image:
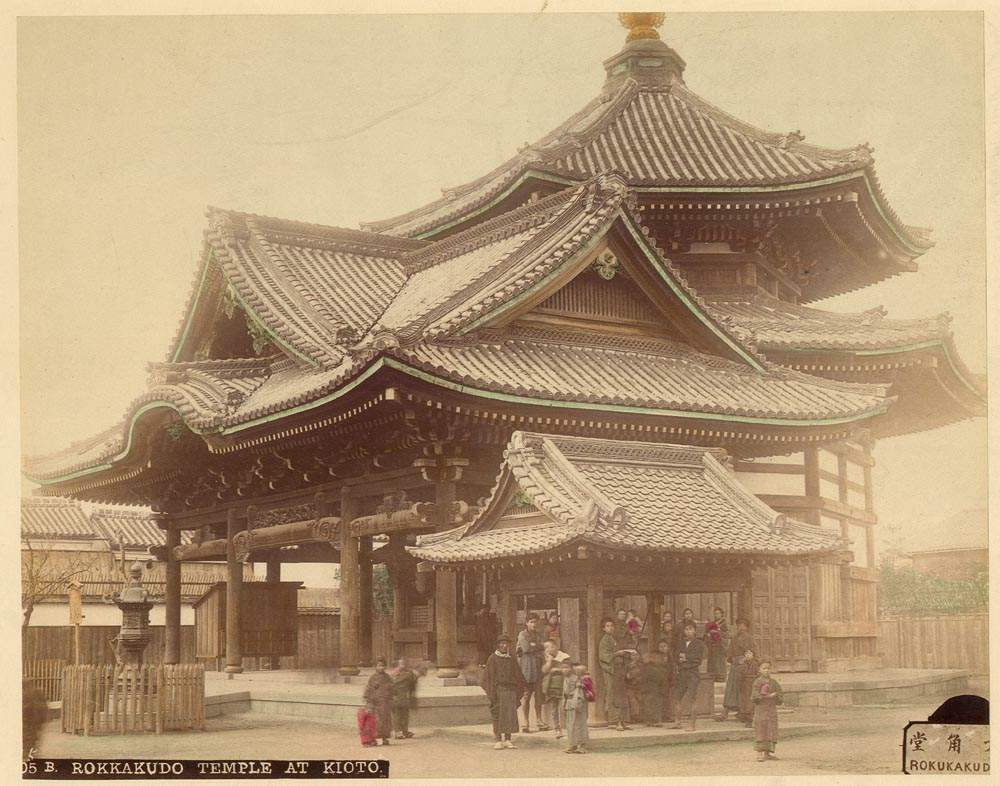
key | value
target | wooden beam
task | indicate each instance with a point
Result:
(769, 468)
(794, 502)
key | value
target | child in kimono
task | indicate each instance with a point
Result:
(747, 674)
(552, 684)
(766, 696)
(378, 696)
(574, 705)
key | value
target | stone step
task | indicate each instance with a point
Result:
(605, 739)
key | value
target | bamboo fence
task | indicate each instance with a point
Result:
(111, 699)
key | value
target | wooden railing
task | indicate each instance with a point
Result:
(119, 700)
(46, 675)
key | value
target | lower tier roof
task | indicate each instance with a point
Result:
(620, 495)
(524, 366)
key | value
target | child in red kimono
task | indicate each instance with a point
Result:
(766, 696)
(366, 727)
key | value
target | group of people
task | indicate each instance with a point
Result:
(650, 677)
(537, 672)
(389, 697)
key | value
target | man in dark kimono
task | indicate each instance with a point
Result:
(689, 657)
(486, 632)
(739, 646)
(378, 697)
(667, 657)
(653, 683)
(504, 686)
(613, 662)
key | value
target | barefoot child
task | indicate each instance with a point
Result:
(766, 695)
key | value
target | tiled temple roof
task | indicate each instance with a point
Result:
(657, 135)
(560, 365)
(778, 324)
(430, 324)
(312, 288)
(622, 495)
(57, 518)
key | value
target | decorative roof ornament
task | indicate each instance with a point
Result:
(641, 26)
(790, 138)
(606, 265)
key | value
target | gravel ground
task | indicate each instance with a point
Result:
(860, 740)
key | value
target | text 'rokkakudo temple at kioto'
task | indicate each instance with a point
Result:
(591, 374)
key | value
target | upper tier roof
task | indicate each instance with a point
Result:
(649, 126)
(621, 495)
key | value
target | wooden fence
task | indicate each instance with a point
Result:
(47, 642)
(116, 700)
(957, 641)
(46, 675)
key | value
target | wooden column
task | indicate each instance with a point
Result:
(350, 578)
(398, 594)
(366, 601)
(812, 487)
(172, 631)
(446, 622)
(507, 612)
(273, 576)
(653, 614)
(234, 594)
(842, 491)
(595, 613)
(744, 597)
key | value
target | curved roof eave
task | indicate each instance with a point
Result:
(219, 429)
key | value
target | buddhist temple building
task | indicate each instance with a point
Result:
(592, 373)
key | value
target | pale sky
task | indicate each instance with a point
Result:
(129, 127)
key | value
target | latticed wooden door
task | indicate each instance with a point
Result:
(781, 616)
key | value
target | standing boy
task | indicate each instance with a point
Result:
(504, 685)
(404, 696)
(766, 695)
(529, 654)
(689, 657)
(552, 684)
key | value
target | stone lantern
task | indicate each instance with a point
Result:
(135, 604)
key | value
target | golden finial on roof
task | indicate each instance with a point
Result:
(641, 25)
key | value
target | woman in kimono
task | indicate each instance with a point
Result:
(766, 696)
(378, 696)
(717, 642)
(504, 685)
(741, 644)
